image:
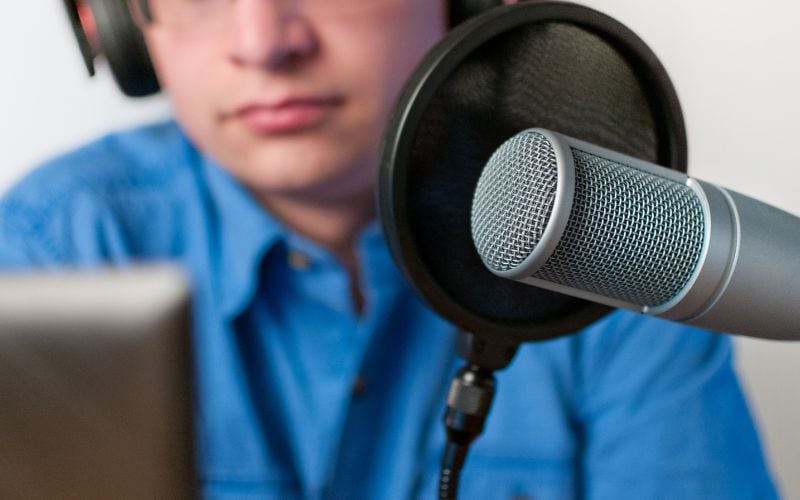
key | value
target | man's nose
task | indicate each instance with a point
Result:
(272, 34)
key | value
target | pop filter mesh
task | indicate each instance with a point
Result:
(554, 75)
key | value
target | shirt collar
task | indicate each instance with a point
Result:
(245, 232)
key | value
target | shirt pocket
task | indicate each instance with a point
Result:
(509, 477)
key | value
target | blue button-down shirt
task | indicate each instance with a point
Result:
(299, 395)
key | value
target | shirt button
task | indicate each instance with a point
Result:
(359, 385)
(299, 260)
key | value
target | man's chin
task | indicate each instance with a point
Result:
(310, 188)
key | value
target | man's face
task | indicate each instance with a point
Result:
(292, 96)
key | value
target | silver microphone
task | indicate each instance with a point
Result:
(575, 218)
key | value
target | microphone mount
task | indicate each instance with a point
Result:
(469, 401)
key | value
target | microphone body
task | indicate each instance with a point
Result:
(572, 217)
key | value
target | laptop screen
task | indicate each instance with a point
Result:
(95, 391)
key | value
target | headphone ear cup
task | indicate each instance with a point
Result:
(124, 48)
(80, 35)
(461, 10)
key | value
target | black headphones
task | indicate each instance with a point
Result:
(106, 27)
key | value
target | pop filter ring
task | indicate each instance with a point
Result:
(433, 71)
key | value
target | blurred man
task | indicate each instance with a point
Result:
(319, 373)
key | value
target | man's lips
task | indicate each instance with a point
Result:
(288, 115)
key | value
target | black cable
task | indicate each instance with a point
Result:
(452, 462)
(468, 404)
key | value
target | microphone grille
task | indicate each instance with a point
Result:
(514, 199)
(631, 235)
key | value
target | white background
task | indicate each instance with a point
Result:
(735, 64)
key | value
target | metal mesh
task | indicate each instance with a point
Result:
(513, 200)
(631, 235)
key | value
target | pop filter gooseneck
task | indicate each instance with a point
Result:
(552, 65)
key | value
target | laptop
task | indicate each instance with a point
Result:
(95, 385)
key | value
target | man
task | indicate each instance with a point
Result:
(319, 373)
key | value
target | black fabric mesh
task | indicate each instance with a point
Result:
(552, 75)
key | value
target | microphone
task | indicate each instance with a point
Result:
(575, 218)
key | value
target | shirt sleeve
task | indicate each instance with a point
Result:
(20, 246)
(664, 415)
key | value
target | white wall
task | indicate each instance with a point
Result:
(47, 101)
(735, 65)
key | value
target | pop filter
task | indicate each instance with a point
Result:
(552, 65)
